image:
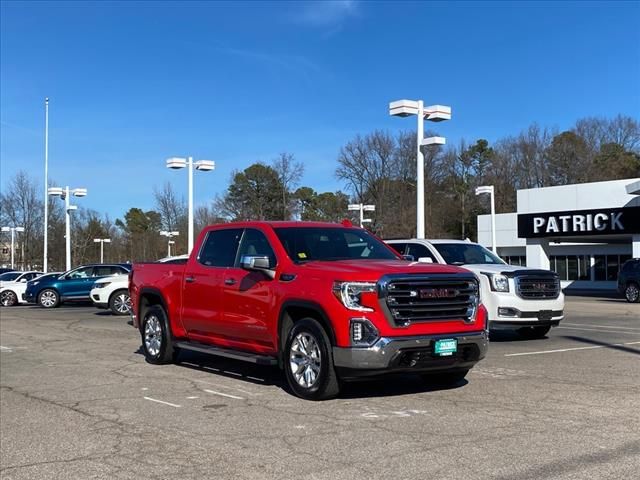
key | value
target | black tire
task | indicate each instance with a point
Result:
(49, 298)
(8, 298)
(118, 300)
(445, 378)
(632, 292)
(534, 332)
(314, 362)
(155, 326)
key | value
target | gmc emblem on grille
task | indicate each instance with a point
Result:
(539, 286)
(439, 293)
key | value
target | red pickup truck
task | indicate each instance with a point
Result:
(325, 302)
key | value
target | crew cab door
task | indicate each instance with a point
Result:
(202, 285)
(248, 295)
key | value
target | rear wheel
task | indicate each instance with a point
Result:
(534, 332)
(8, 298)
(445, 378)
(308, 362)
(120, 302)
(632, 293)
(156, 337)
(49, 298)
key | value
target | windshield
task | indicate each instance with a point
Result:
(305, 244)
(9, 276)
(466, 253)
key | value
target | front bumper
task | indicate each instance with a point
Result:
(409, 354)
(28, 298)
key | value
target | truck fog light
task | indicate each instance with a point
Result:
(363, 333)
(508, 312)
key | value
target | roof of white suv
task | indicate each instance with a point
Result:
(437, 240)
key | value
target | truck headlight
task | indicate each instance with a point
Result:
(349, 294)
(498, 281)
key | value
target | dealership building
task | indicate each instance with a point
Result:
(584, 232)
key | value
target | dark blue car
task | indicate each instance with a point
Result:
(73, 285)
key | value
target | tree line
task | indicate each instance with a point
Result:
(375, 168)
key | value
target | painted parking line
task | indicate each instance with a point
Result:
(5, 349)
(616, 327)
(540, 352)
(599, 330)
(223, 394)
(162, 402)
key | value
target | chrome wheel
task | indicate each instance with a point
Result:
(305, 359)
(153, 336)
(48, 299)
(8, 298)
(632, 293)
(122, 303)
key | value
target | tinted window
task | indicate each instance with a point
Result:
(254, 242)
(84, 272)
(471, 253)
(177, 261)
(399, 247)
(9, 276)
(106, 270)
(318, 243)
(220, 247)
(420, 251)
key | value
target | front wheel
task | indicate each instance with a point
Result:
(632, 293)
(156, 337)
(308, 362)
(120, 302)
(49, 298)
(8, 298)
(533, 332)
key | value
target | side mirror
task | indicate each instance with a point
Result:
(409, 258)
(425, 260)
(257, 263)
(23, 280)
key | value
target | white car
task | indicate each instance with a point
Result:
(526, 299)
(12, 292)
(18, 277)
(113, 292)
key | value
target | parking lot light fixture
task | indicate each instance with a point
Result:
(170, 242)
(432, 113)
(101, 241)
(491, 191)
(362, 208)
(176, 163)
(13, 231)
(65, 193)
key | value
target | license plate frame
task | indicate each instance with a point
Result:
(545, 315)
(445, 347)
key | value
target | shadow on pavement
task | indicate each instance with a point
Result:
(622, 348)
(499, 336)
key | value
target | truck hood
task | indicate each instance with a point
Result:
(493, 268)
(372, 270)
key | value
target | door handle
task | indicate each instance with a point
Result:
(229, 281)
(189, 279)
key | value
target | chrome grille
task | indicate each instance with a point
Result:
(537, 286)
(428, 298)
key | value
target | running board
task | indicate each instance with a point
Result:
(223, 352)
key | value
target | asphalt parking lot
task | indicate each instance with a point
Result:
(78, 401)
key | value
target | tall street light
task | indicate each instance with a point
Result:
(490, 190)
(203, 165)
(46, 183)
(164, 233)
(362, 208)
(65, 194)
(101, 241)
(433, 113)
(13, 231)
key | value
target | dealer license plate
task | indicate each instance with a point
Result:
(445, 347)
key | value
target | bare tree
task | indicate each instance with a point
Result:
(289, 172)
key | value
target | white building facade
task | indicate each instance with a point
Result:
(584, 232)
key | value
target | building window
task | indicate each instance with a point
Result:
(515, 260)
(570, 267)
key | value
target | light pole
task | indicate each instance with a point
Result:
(490, 190)
(101, 241)
(203, 165)
(433, 113)
(46, 183)
(164, 233)
(13, 231)
(362, 208)
(65, 193)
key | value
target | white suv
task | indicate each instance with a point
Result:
(527, 299)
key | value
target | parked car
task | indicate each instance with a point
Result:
(5, 270)
(113, 292)
(74, 285)
(15, 276)
(12, 293)
(526, 299)
(629, 280)
(325, 302)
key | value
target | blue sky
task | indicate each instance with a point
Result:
(133, 83)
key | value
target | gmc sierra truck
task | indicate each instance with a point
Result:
(324, 302)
